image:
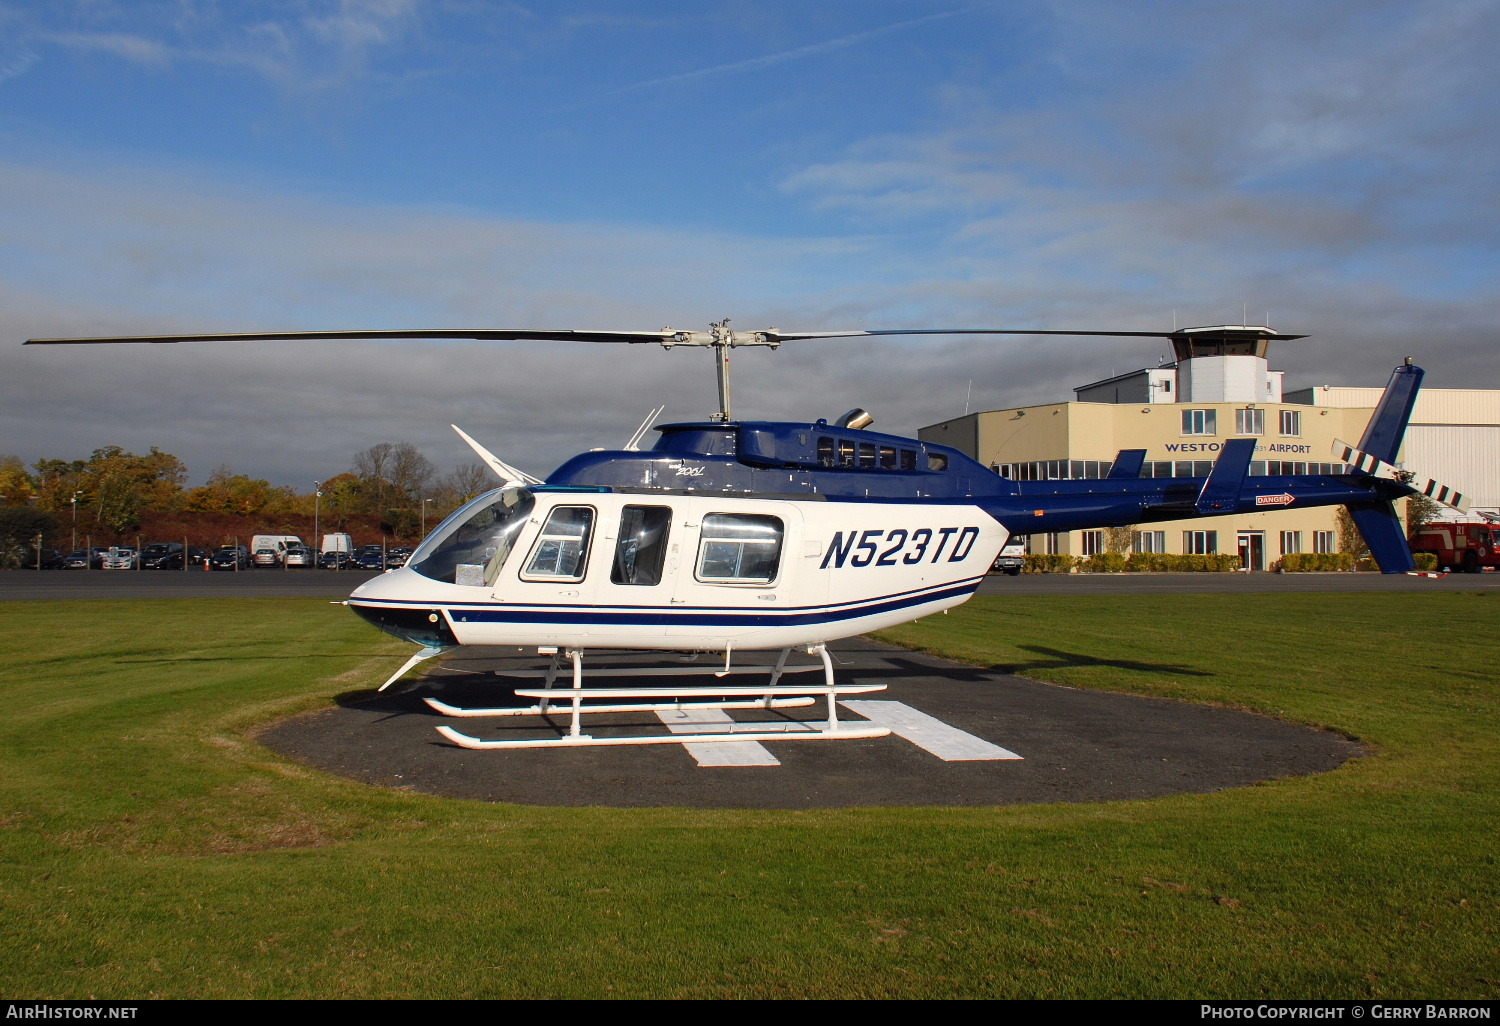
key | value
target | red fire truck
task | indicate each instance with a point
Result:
(1467, 545)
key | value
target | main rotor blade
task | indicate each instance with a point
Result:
(481, 334)
(782, 336)
(668, 337)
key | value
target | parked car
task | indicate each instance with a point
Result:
(231, 557)
(121, 557)
(267, 557)
(46, 559)
(85, 559)
(162, 556)
(337, 561)
(371, 560)
(397, 556)
(299, 555)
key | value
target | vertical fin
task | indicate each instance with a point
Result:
(1381, 529)
(1382, 438)
(1221, 492)
(1128, 464)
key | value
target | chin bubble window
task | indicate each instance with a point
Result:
(740, 548)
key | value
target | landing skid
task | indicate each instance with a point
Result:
(770, 696)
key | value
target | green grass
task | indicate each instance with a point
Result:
(149, 847)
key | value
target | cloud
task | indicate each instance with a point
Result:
(144, 251)
(1330, 164)
(299, 47)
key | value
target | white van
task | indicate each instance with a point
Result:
(270, 549)
(337, 543)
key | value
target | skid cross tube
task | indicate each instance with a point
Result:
(770, 696)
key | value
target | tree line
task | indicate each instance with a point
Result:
(114, 490)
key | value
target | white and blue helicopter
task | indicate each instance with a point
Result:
(748, 536)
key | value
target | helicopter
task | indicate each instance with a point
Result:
(734, 536)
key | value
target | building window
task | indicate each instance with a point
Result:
(1291, 422)
(1200, 422)
(1053, 545)
(1323, 541)
(1093, 543)
(1250, 422)
(1200, 543)
(1148, 541)
(1291, 541)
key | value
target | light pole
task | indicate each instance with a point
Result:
(317, 498)
(424, 518)
(74, 502)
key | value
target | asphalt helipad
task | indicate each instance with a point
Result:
(964, 736)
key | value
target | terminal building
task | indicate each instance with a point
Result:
(1220, 386)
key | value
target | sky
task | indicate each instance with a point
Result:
(274, 165)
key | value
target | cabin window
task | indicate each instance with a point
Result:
(825, 451)
(740, 548)
(866, 455)
(563, 547)
(887, 457)
(908, 459)
(846, 452)
(937, 461)
(471, 545)
(641, 549)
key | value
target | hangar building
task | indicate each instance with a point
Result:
(1220, 386)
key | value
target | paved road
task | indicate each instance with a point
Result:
(121, 584)
(1074, 745)
(133, 584)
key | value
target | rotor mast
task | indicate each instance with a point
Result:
(721, 340)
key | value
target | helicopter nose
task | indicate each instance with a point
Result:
(425, 627)
(375, 602)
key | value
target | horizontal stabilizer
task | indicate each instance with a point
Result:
(1128, 465)
(1221, 492)
(1364, 463)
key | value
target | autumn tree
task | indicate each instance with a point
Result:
(393, 481)
(15, 484)
(1420, 510)
(226, 492)
(1350, 540)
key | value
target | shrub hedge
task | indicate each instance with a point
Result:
(1162, 562)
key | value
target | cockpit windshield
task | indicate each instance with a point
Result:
(470, 546)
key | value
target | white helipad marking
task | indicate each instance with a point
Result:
(715, 753)
(948, 743)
